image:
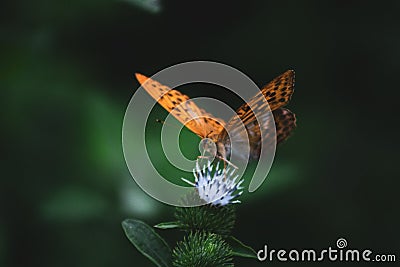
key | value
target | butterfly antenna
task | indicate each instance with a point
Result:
(169, 124)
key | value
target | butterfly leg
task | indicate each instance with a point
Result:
(220, 158)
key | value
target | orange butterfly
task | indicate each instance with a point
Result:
(277, 93)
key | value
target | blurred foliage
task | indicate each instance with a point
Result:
(66, 76)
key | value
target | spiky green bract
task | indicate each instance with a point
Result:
(209, 218)
(202, 249)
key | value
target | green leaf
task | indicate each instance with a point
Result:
(148, 242)
(241, 250)
(167, 225)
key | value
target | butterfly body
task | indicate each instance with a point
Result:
(228, 138)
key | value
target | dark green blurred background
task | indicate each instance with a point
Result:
(66, 76)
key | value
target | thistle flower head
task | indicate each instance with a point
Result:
(201, 249)
(215, 185)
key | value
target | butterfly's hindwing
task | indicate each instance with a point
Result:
(285, 123)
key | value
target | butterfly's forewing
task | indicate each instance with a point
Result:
(277, 93)
(182, 108)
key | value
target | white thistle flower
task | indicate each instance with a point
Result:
(216, 186)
